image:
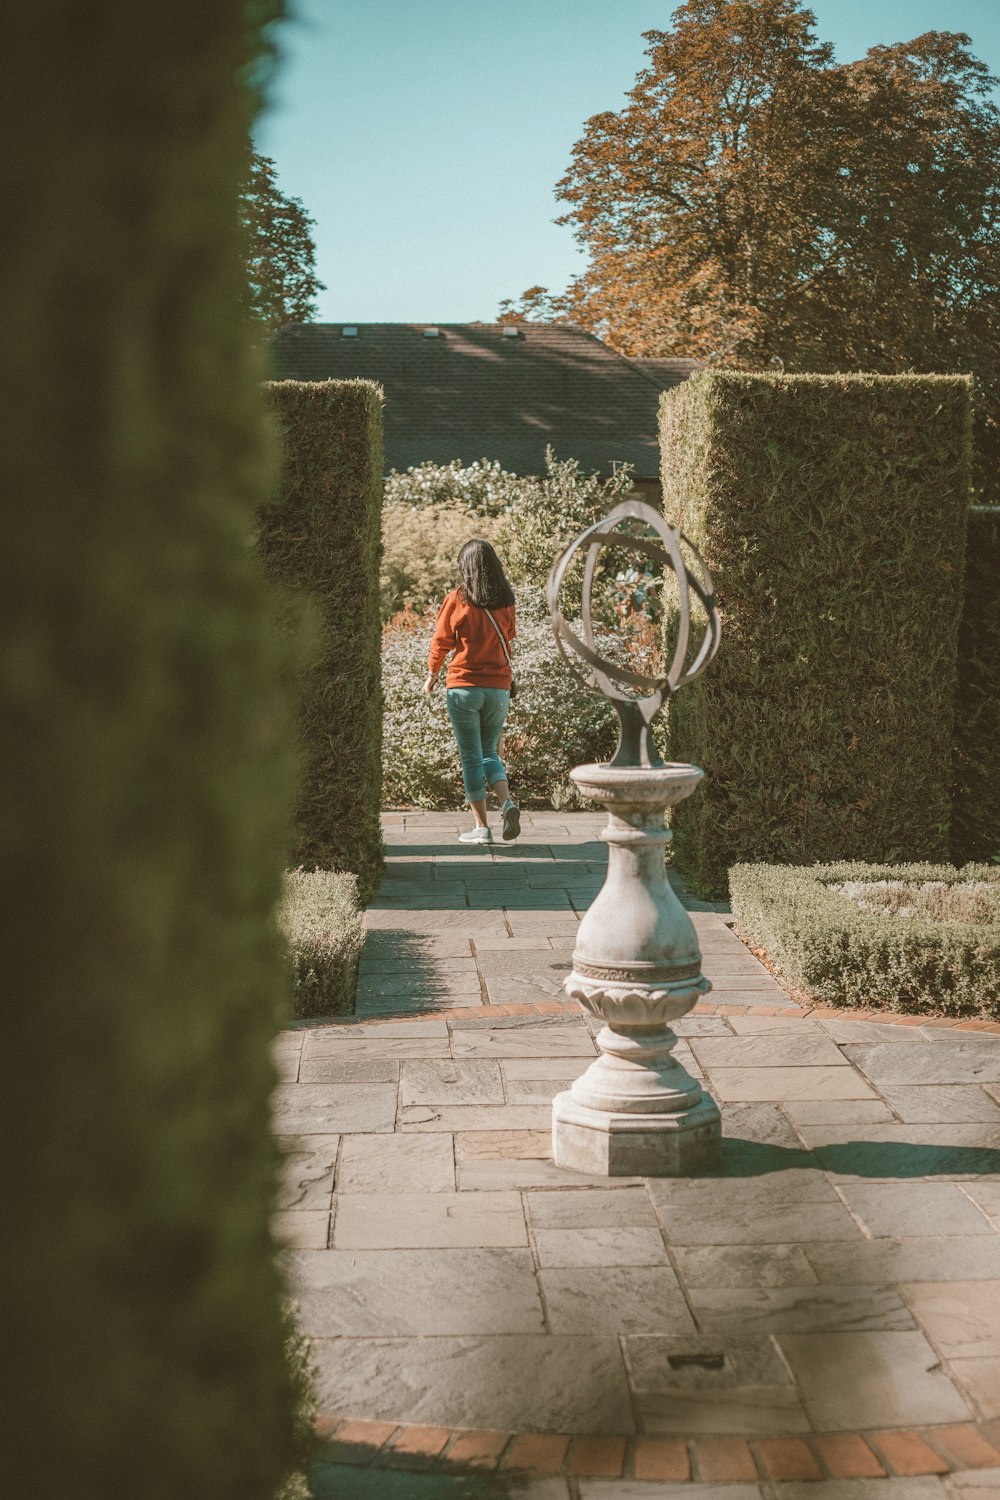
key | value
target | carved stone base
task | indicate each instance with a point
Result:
(686, 1143)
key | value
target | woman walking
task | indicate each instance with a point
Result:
(476, 622)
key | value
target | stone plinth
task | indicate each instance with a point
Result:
(636, 1111)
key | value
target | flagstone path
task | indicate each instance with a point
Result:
(826, 1308)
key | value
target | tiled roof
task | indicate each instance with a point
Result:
(476, 392)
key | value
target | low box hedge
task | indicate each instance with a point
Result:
(821, 942)
(321, 921)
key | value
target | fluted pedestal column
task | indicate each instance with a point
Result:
(636, 965)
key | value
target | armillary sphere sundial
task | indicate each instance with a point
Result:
(636, 964)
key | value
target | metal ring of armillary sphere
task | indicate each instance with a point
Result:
(635, 713)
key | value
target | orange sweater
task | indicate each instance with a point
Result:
(465, 629)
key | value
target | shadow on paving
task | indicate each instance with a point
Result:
(337, 1482)
(587, 853)
(860, 1158)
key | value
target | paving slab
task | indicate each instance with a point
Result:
(540, 1383)
(961, 1317)
(745, 1084)
(899, 1209)
(897, 1151)
(797, 1309)
(619, 1245)
(584, 1208)
(944, 1104)
(524, 1041)
(307, 1172)
(979, 1380)
(475, 1081)
(417, 1221)
(864, 1380)
(397, 1163)
(952, 1058)
(386, 1293)
(469, 1117)
(922, 1258)
(504, 1173)
(769, 1050)
(744, 1266)
(616, 1299)
(333, 1108)
(696, 1385)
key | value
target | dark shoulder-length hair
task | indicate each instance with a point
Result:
(483, 580)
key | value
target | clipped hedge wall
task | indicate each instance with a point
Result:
(148, 769)
(820, 942)
(322, 537)
(831, 511)
(975, 830)
(321, 920)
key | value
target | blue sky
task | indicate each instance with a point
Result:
(425, 137)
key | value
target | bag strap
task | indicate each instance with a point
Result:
(503, 643)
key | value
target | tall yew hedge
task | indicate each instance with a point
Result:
(322, 537)
(831, 511)
(976, 809)
(148, 772)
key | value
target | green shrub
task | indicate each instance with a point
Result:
(975, 833)
(321, 537)
(420, 547)
(321, 921)
(831, 511)
(823, 943)
(148, 770)
(554, 723)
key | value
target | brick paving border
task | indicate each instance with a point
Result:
(902, 1453)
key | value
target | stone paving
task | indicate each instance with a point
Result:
(838, 1284)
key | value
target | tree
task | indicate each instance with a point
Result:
(755, 202)
(280, 253)
(536, 305)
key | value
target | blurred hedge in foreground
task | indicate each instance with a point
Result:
(831, 511)
(148, 774)
(322, 537)
(975, 830)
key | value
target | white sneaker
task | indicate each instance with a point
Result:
(476, 836)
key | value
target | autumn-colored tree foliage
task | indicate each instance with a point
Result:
(755, 201)
(280, 255)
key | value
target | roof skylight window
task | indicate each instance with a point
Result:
(349, 331)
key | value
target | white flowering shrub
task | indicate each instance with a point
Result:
(420, 547)
(484, 487)
(554, 722)
(546, 513)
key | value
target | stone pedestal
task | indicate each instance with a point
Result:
(636, 1111)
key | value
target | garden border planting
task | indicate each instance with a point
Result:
(820, 943)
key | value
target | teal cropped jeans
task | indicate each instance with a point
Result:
(477, 716)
